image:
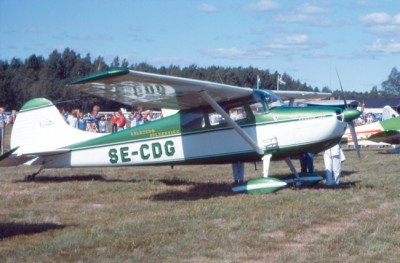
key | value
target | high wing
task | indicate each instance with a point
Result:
(155, 90)
(292, 95)
(161, 91)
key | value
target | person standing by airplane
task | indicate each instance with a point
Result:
(238, 172)
(307, 162)
(333, 158)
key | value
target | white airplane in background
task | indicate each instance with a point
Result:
(254, 125)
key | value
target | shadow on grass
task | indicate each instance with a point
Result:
(78, 178)
(341, 186)
(196, 191)
(16, 229)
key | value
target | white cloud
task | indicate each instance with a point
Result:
(382, 23)
(286, 42)
(279, 46)
(263, 5)
(376, 18)
(308, 14)
(207, 8)
(364, 3)
(308, 8)
(231, 52)
(385, 46)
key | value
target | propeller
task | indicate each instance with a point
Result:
(349, 116)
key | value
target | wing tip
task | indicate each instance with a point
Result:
(101, 75)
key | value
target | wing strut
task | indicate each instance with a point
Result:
(231, 122)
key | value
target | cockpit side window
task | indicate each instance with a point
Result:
(235, 110)
(192, 120)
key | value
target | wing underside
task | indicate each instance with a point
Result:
(154, 90)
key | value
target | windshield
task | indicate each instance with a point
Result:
(272, 100)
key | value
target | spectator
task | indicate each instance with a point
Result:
(13, 116)
(138, 120)
(139, 109)
(145, 117)
(64, 113)
(151, 116)
(114, 120)
(3, 123)
(81, 122)
(72, 119)
(131, 119)
(121, 121)
(92, 127)
(94, 117)
(103, 127)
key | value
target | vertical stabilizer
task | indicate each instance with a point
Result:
(39, 127)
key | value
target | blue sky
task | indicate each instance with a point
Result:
(306, 39)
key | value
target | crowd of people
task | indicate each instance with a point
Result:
(5, 120)
(96, 122)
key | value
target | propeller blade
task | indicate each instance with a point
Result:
(352, 128)
(341, 87)
(349, 116)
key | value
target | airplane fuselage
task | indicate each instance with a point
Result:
(200, 136)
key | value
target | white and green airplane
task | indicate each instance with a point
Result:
(215, 124)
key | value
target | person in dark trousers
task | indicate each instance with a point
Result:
(307, 163)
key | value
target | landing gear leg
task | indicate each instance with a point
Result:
(291, 166)
(266, 160)
(294, 172)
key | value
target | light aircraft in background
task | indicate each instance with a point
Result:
(376, 133)
(216, 124)
(388, 112)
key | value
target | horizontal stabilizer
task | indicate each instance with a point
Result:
(8, 159)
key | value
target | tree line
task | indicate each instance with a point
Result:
(21, 80)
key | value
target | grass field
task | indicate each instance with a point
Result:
(189, 214)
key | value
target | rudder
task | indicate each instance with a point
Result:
(39, 127)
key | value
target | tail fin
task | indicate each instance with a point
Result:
(39, 127)
(388, 113)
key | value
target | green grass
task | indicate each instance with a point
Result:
(189, 214)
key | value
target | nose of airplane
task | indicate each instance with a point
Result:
(351, 114)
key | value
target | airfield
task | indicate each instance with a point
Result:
(189, 214)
